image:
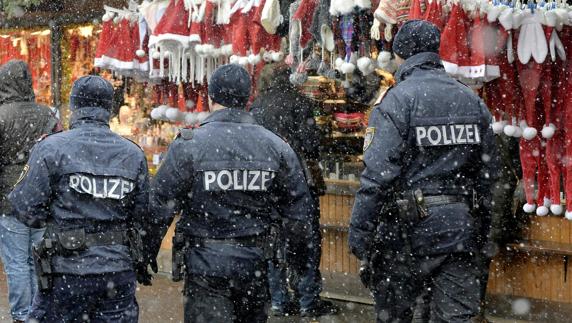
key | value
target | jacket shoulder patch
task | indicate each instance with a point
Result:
(367, 140)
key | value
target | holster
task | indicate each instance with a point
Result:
(411, 207)
(42, 254)
(136, 247)
(180, 247)
(275, 251)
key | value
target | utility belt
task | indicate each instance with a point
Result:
(414, 205)
(71, 242)
(271, 245)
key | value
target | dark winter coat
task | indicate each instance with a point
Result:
(430, 133)
(282, 109)
(22, 123)
(230, 178)
(87, 177)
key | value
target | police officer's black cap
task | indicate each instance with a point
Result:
(416, 36)
(91, 91)
(230, 86)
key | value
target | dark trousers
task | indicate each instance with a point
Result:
(305, 278)
(453, 282)
(220, 300)
(88, 298)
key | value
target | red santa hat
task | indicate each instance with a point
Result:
(454, 49)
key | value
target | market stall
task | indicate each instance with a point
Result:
(515, 54)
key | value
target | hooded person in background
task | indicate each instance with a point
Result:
(422, 215)
(282, 109)
(89, 187)
(22, 123)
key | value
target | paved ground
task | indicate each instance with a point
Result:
(163, 303)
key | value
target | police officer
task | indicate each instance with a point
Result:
(422, 213)
(89, 187)
(232, 180)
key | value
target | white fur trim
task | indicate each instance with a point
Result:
(529, 208)
(505, 19)
(208, 49)
(542, 211)
(156, 55)
(568, 215)
(548, 131)
(550, 18)
(494, 13)
(556, 209)
(498, 127)
(529, 133)
(181, 39)
(140, 53)
(194, 38)
(226, 50)
(341, 7)
(243, 61)
(348, 68)
(106, 17)
(233, 59)
(254, 59)
(116, 20)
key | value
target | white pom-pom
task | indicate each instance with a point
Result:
(227, 50)
(190, 104)
(243, 61)
(498, 127)
(365, 65)
(254, 59)
(517, 132)
(384, 58)
(267, 57)
(548, 131)
(556, 209)
(348, 68)
(339, 63)
(172, 114)
(234, 59)
(162, 110)
(277, 56)
(510, 130)
(568, 215)
(166, 53)
(208, 49)
(529, 133)
(201, 116)
(191, 118)
(107, 17)
(140, 53)
(542, 211)
(529, 208)
(155, 114)
(156, 55)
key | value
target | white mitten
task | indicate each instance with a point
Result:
(374, 32)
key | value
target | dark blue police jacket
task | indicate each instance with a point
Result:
(87, 177)
(432, 133)
(228, 178)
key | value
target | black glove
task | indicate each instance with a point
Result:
(365, 273)
(143, 275)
